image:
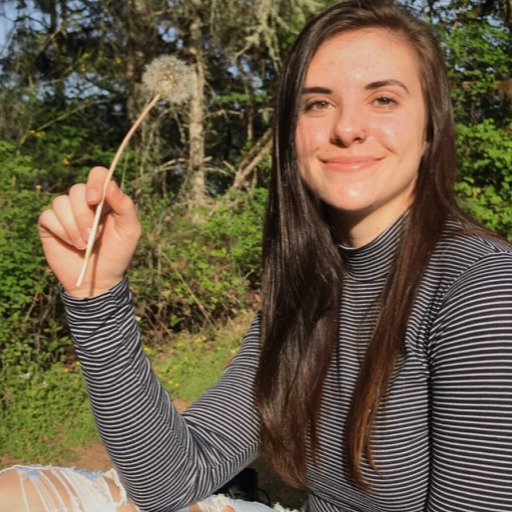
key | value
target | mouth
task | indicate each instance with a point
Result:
(350, 163)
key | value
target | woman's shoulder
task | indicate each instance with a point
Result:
(471, 251)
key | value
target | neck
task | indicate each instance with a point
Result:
(357, 230)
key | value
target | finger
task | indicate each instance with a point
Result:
(123, 209)
(51, 228)
(96, 184)
(82, 211)
(61, 206)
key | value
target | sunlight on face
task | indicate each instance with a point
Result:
(361, 130)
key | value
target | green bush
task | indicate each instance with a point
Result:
(190, 273)
(485, 185)
(28, 311)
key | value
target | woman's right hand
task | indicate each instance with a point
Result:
(64, 231)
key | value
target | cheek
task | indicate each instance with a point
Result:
(309, 139)
(402, 136)
(393, 132)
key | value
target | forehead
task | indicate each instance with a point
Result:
(371, 53)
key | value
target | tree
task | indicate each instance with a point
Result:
(476, 36)
(235, 54)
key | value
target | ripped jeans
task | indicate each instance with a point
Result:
(57, 489)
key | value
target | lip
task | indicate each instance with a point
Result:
(350, 163)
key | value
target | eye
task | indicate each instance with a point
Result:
(385, 101)
(316, 105)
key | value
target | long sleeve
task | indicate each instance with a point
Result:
(471, 391)
(443, 440)
(166, 460)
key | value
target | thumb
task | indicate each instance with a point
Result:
(123, 210)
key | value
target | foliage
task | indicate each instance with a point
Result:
(485, 186)
(479, 61)
(187, 272)
(23, 275)
(478, 55)
(198, 272)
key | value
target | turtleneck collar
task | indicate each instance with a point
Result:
(374, 259)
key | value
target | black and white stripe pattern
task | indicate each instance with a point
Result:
(443, 441)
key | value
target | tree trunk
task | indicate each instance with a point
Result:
(141, 42)
(57, 32)
(194, 185)
(141, 48)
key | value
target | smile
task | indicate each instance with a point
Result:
(349, 163)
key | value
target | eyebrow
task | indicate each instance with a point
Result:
(316, 90)
(385, 83)
(370, 87)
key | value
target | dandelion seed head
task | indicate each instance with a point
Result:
(168, 76)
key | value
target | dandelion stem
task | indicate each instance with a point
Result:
(113, 165)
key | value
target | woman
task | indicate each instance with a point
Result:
(379, 373)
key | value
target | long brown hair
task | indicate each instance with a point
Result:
(303, 271)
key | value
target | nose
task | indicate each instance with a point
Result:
(348, 127)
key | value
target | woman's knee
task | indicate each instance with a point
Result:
(11, 491)
(37, 489)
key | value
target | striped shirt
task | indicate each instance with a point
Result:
(443, 442)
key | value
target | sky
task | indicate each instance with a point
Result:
(7, 15)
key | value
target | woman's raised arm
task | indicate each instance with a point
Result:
(64, 231)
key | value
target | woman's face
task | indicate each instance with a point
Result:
(361, 130)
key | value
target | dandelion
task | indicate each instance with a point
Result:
(77, 363)
(171, 382)
(65, 370)
(146, 349)
(177, 385)
(179, 345)
(167, 78)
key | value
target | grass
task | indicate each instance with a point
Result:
(45, 416)
(192, 363)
